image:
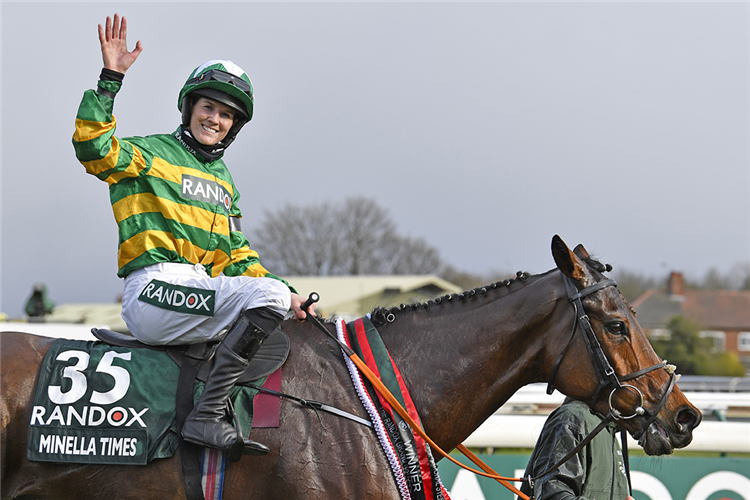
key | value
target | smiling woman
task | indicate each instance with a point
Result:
(210, 121)
(176, 207)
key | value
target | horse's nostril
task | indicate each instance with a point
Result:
(688, 418)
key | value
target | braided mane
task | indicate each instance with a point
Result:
(381, 315)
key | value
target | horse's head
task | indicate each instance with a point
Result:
(621, 371)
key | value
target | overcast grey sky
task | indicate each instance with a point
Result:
(484, 128)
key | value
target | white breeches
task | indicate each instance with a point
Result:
(174, 303)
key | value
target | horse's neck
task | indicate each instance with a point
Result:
(463, 361)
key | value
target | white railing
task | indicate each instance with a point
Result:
(519, 421)
(522, 431)
(534, 399)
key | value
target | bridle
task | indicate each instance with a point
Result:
(605, 374)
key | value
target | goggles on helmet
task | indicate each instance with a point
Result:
(218, 75)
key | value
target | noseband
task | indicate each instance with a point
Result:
(605, 374)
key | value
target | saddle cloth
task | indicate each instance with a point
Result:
(104, 404)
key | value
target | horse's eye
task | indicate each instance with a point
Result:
(617, 328)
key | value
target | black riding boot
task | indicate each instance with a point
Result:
(207, 424)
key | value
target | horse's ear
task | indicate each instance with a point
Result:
(581, 252)
(567, 261)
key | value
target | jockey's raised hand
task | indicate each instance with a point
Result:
(113, 38)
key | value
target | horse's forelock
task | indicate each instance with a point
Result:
(596, 265)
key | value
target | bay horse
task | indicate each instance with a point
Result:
(462, 356)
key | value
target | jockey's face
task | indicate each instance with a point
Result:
(210, 121)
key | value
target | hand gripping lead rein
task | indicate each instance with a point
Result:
(311, 299)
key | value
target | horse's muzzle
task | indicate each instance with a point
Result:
(662, 439)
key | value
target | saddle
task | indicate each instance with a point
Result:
(271, 355)
(195, 361)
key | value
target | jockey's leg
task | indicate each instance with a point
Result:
(207, 424)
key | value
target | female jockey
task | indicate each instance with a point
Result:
(189, 272)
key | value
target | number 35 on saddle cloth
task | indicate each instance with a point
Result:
(97, 403)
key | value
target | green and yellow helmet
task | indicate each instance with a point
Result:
(222, 81)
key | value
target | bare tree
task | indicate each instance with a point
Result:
(737, 278)
(290, 244)
(363, 229)
(354, 237)
(405, 255)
